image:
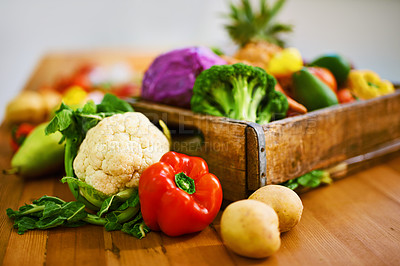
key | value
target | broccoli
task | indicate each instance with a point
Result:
(240, 92)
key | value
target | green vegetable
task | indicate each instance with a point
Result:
(240, 92)
(116, 212)
(39, 154)
(311, 179)
(49, 212)
(337, 64)
(311, 91)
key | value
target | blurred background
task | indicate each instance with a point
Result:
(364, 31)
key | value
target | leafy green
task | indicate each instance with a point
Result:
(136, 227)
(311, 179)
(49, 212)
(87, 192)
(112, 104)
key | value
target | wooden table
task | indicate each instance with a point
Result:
(354, 221)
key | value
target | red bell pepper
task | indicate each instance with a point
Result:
(325, 75)
(178, 195)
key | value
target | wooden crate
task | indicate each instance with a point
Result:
(246, 156)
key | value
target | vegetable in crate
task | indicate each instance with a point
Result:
(285, 63)
(38, 155)
(337, 64)
(171, 76)
(366, 84)
(325, 75)
(238, 91)
(101, 144)
(178, 195)
(312, 92)
(345, 96)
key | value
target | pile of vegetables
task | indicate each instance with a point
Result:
(234, 87)
(114, 211)
(108, 147)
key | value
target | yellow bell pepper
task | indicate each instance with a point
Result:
(285, 62)
(75, 97)
(366, 84)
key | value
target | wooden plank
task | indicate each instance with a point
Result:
(346, 208)
(131, 251)
(321, 138)
(394, 164)
(196, 249)
(253, 162)
(10, 191)
(30, 248)
(88, 241)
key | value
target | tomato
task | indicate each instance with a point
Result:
(325, 75)
(345, 96)
(127, 90)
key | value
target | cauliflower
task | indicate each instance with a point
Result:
(117, 150)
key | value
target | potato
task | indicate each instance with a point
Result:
(286, 203)
(250, 228)
(28, 106)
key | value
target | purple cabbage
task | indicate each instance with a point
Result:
(170, 78)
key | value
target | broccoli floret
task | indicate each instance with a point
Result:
(240, 92)
(275, 109)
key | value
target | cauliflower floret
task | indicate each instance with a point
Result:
(117, 150)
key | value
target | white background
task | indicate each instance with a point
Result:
(365, 31)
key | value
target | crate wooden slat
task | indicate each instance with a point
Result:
(321, 138)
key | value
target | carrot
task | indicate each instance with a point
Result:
(294, 107)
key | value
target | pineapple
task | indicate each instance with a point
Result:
(256, 32)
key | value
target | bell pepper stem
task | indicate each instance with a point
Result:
(185, 183)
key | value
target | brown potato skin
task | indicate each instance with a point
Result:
(250, 229)
(286, 203)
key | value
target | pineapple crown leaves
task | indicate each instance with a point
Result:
(247, 25)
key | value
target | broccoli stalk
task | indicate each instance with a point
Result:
(240, 92)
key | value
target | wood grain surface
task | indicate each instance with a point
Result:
(354, 221)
